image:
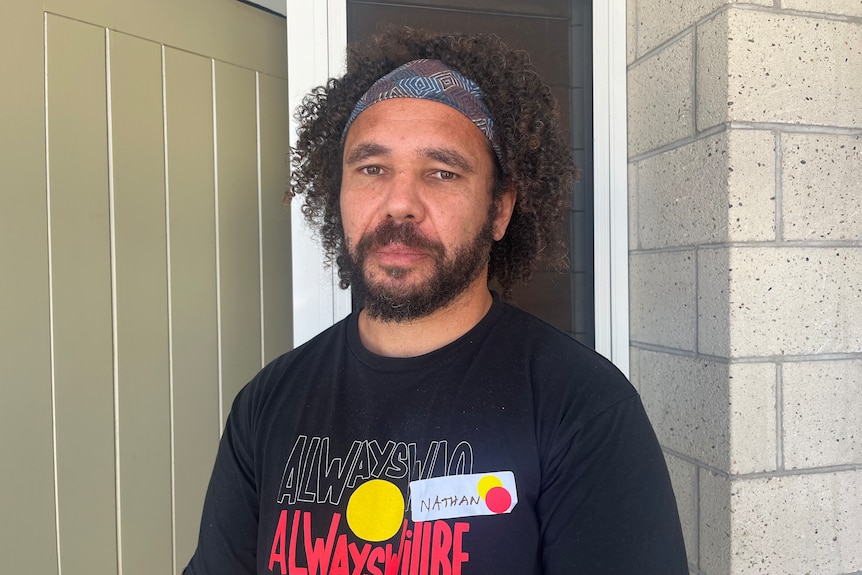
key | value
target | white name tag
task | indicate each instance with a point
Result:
(463, 496)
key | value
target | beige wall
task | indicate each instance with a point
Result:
(745, 157)
(146, 267)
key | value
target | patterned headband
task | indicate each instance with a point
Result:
(432, 80)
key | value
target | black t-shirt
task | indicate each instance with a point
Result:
(513, 450)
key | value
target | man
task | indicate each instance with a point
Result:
(437, 430)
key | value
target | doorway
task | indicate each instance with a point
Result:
(558, 36)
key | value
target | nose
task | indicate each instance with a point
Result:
(403, 199)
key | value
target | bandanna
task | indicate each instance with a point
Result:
(432, 80)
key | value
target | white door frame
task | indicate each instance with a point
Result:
(316, 40)
(316, 43)
(610, 195)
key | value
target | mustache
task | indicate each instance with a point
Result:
(404, 233)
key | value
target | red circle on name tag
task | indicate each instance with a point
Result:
(498, 499)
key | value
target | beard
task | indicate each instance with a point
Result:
(400, 301)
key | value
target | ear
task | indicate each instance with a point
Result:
(505, 207)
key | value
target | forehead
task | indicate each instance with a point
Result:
(411, 121)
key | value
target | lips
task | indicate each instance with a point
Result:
(398, 254)
(398, 245)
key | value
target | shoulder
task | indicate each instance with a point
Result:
(318, 353)
(551, 350)
(563, 372)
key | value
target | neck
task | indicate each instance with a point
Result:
(426, 334)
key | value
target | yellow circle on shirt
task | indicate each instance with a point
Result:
(375, 510)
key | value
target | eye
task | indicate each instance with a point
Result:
(371, 170)
(445, 175)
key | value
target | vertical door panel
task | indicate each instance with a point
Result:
(142, 305)
(27, 528)
(110, 302)
(226, 30)
(80, 228)
(238, 235)
(275, 217)
(194, 326)
(100, 13)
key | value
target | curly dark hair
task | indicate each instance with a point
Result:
(537, 160)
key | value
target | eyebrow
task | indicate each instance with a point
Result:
(450, 157)
(365, 151)
(446, 156)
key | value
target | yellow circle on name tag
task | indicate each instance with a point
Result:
(487, 483)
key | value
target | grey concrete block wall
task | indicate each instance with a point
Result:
(820, 185)
(745, 163)
(660, 98)
(773, 66)
(715, 526)
(753, 417)
(806, 523)
(662, 303)
(822, 409)
(695, 424)
(658, 22)
(713, 302)
(795, 301)
(716, 189)
(711, 72)
(722, 415)
(794, 69)
(683, 476)
(837, 7)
